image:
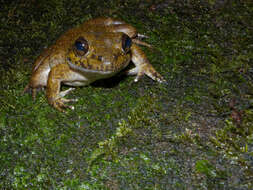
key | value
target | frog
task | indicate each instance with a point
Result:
(95, 50)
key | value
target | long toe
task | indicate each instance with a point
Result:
(59, 105)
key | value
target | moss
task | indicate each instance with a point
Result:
(193, 132)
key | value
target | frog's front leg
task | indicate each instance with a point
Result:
(58, 74)
(142, 66)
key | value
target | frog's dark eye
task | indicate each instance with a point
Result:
(81, 46)
(126, 43)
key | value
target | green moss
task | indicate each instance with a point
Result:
(195, 132)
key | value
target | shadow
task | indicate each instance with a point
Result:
(112, 81)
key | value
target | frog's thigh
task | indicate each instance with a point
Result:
(39, 76)
(125, 28)
(57, 74)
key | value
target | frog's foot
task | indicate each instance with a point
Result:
(59, 101)
(137, 40)
(33, 90)
(142, 66)
(60, 105)
(148, 70)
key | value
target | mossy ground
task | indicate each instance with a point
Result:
(195, 132)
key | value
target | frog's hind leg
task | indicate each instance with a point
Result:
(37, 82)
(142, 66)
(116, 25)
(124, 28)
(131, 32)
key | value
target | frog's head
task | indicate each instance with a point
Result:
(105, 52)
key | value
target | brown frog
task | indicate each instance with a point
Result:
(97, 49)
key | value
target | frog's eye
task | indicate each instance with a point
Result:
(81, 46)
(126, 43)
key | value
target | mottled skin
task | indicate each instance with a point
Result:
(65, 63)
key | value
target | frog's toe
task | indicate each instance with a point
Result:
(65, 92)
(34, 92)
(155, 76)
(148, 70)
(139, 75)
(60, 105)
(142, 36)
(29, 89)
(69, 100)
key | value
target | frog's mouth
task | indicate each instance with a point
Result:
(86, 68)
